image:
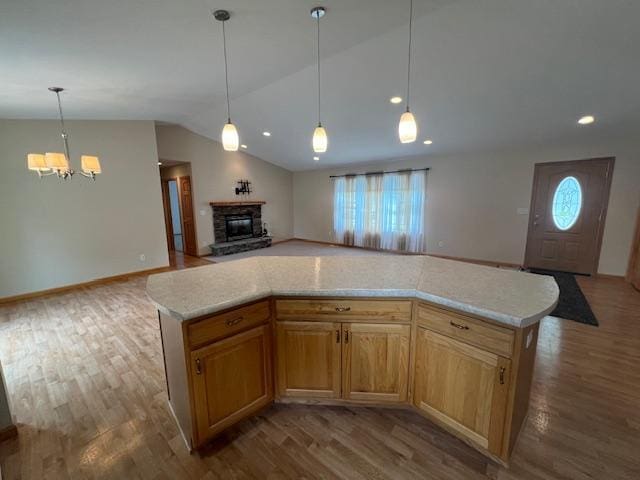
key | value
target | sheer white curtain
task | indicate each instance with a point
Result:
(381, 210)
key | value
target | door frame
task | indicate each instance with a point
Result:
(166, 202)
(603, 208)
(634, 257)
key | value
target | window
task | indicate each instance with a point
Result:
(567, 203)
(383, 210)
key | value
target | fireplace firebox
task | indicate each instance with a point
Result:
(238, 227)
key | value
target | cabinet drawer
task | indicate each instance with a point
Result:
(344, 310)
(470, 330)
(225, 324)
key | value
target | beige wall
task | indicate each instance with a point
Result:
(214, 174)
(472, 201)
(56, 233)
(174, 171)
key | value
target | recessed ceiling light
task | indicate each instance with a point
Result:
(266, 134)
(586, 120)
(316, 158)
(395, 99)
(243, 146)
(428, 142)
(159, 163)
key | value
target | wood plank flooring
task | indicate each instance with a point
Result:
(85, 375)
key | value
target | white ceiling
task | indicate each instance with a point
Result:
(487, 74)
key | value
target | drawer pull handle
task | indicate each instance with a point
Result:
(233, 321)
(198, 367)
(502, 370)
(346, 336)
(343, 309)
(459, 325)
(337, 336)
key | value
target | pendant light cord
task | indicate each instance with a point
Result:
(318, 23)
(409, 59)
(226, 74)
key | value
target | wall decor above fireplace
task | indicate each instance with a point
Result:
(244, 187)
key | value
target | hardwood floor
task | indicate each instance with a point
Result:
(180, 260)
(85, 374)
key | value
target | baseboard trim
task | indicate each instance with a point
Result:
(399, 252)
(610, 276)
(8, 432)
(90, 283)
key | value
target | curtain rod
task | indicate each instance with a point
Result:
(380, 172)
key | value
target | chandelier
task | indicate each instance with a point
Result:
(53, 163)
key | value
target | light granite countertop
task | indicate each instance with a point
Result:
(514, 298)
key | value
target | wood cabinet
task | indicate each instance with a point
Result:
(308, 356)
(353, 361)
(375, 361)
(231, 379)
(462, 387)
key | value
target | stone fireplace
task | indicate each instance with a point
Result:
(237, 227)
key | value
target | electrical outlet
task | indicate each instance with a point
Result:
(143, 257)
(203, 213)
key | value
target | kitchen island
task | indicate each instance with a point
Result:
(454, 341)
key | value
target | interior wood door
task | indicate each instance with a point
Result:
(308, 356)
(463, 387)
(633, 273)
(568, 209)
(188, 221)
(166, 205)
(375, 361)
(231, 380)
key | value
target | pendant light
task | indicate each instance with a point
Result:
(230, 140)
(57, 164)
(320, 140)
(407, 128)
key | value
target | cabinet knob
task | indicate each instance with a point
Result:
(198, 367)
(337, 336)
(343, 309)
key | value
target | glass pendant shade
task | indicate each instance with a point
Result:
(56, 161)
(90, 164)
(36, 162)
(320, 140)
(230, 140)
(407, 128)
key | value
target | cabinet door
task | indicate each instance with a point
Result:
(308, 359)
(463, 387)
(375, 361)
(231, 380)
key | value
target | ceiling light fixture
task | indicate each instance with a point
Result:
(266, 134)
(407, 128)
(395, 100)
(230, 138)
(586, 120)
(428, 142)
(320, 140)
(316, 158)
(58, 163)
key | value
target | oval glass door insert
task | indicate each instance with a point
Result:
(567, 203)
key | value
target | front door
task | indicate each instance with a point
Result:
(568, 208)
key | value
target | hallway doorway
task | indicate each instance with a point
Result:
(177, 200)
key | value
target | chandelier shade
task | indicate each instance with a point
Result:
(37, 163)
(56, 161)
(320, 140)
(90, 164)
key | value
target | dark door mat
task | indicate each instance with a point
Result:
(572, 304)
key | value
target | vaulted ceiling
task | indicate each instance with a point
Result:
(487, 74)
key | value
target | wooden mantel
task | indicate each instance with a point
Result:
(232, 204)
